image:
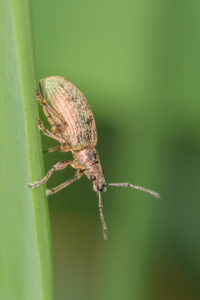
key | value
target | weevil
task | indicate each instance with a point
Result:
(73, 126)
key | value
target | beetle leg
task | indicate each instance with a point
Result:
(59, 125)
(64, 184)
(50, 134)
(59, 128)
(39, 96)
(61, 148)
(57, 167)
(52, 149)
(52, 116)
(61, 186)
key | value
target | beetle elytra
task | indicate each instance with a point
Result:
(73, 126)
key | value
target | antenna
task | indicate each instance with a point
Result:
(104, 227)
(136, 187)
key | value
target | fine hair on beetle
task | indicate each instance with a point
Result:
(73, 126)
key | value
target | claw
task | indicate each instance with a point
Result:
(40, 125)
(30, 185)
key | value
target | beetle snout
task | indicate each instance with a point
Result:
(99, 185)
(103, 188)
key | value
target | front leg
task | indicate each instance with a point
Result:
(64, 184)
(61, 165)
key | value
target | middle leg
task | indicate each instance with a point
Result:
(52, 149)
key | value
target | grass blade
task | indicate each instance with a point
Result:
(25, 255)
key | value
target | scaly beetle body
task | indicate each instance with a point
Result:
(73, 126)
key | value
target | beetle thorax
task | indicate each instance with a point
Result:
(87, 160)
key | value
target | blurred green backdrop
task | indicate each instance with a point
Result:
(138, 64)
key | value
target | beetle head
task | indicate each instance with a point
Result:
(87, 160)
(95, 174)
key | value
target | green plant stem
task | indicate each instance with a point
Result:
(25, 252)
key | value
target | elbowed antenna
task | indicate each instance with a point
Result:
(104, 227)
(136, 187)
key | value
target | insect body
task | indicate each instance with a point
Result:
(73, 126)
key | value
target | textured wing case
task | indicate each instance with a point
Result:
(72, 106)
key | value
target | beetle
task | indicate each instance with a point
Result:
(73, 126)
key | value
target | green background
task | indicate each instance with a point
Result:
(137, 62)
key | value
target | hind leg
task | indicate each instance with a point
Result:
(50, 134)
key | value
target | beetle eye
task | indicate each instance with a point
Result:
(92, 177)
